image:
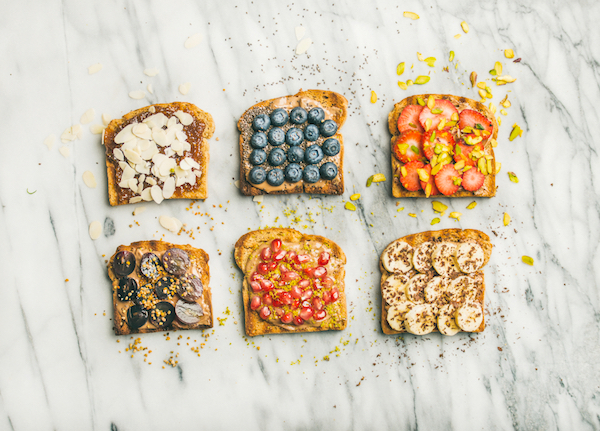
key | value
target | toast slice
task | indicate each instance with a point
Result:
(154, 281)
(335, 107)
(401, 291)
(140, 168)
(488, 188)
(288, 266)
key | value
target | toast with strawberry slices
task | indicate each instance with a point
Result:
(442, 145)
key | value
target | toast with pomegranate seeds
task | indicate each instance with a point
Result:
(447, 135)
(292, 282)
(434, 282)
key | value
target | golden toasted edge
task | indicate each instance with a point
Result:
(336, 103)
(463, 103)
(454, 235)
(248, 243)
(160, 247)
(209, 128)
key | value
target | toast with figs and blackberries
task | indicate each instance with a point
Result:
(293, 144)
(442, 145)
(292, 282)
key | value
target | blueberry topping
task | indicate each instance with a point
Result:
(328, 128)
(150, 266)
(261, 122)
(163, 314)
(166, 287)
(298, 115)
(276, 136)
(127, 290)
(331, 147)
(275, 177)
(328, 171)
(124, 263)
(293, 173)
(276, 158)
(295, 155)
(257, 157)
(279, 117)
(316, 116)
(313, 155)
(258, 140)
(257, 175)
(294, 136)
(311, 174)
(136, 316)
(176, 261)
(190, 288)
(311, 133)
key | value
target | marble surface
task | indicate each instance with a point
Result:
(534, 367)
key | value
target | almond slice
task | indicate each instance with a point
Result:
(106, 119)
(49, 141)
(95, 230)
(139, 210)
(137, 94)
(96, 129)
(151, 72)
(150, 89)
(64, 150)
(193, 41)
(168, 187)
(156, 194)
(184, 88)
(94, 68)
(300, 32)
(89, 179)
(303, 46)
(88, 116)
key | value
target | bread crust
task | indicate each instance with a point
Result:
(451, 235)
(489, 186)
(250, 242)
(201, 146)
(336, 104)
(197, 256)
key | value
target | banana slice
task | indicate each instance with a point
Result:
(397, 257)
(393, 288)
(396, 314)
(435, 289)
(469, 257)
(415, 288)
(422, 257)
(469, 317)
(459, 289)
(442, 258)
(420, 320)
(445, 321)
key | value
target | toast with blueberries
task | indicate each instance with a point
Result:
(442, 145)
(293, 144)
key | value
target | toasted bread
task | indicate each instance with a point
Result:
(489, 186)
(198, 266)
(247, 255)
(336, 108)
(446, 235)
(197, 134)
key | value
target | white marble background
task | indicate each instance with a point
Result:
(534, 367)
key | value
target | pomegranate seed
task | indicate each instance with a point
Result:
(256, 277)
(277, 302)
(279, 256)
(326, 297)
(306, 294)
(267, 299)
(295, 304)
(287, 317)
(266, 285)
(320, 271)
(302, 258)
(265, 254)
(304, 283)
(306, 304)
(264, 313)
(335, 294)
(306, 313)
(276, 245)
(296, 292)
(317, 303)
(324, 258)
(263, 268)
(297, 267)
(327, 282)
(320, 315)
(255, 302)
(272, 266)
(255, 285)
(317, 284)
(291, 256)
(298, 321)
(285, 298)
(310, 272)
(289, 276)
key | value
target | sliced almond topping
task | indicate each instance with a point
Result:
(303, 46)
(94, 68)
(185, 118)
(152, 109)
(95, 230)
(184, 88)
(88, 116)
(64, 150)
(300, 32)
(147, 193)
(49, 141)
(106, 119)
(139, 210)
(142, 131)
(89, 179)
(168, 187)
(135, 200)
(193, 40)
(151, 72)
(156, 193)
(137, 94)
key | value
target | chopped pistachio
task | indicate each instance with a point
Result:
(451, 56)
(373, 97)
(473, 78)
(516, 131)
(420, 101)
(528, 260)
(493, 72)
(430, 102)
(506, 219)
(483, 94)
(498, 68)
(422, 79)
(412, 215)
(481, 85)
(411, 15)
(492, 108)
(455, 215)
(472, 205)
(509, 53)
(400, 69)
(513, 177)
(503, 112)
(465, 26)
(430, 61)
(355, 196)
(435, 221)
(438, 206)
(409, 82)
(498, 167)
(402, 85)
(350, 206)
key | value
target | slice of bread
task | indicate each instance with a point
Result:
(415, 240)
(197, 132)
(248, 251)
(336, 108)
(489, 186)
(146, 293)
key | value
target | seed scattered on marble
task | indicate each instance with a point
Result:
(95, 230)
(89, 179)
(137, 94)
(300, 32)
(151, 72)
(106, 119)
(88, 116)
(64, 150)
(49, 141)
(94, 68)
(96, 129)
(193, 40)
(303, 46)
(184, 88)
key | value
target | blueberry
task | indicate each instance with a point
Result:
(311, 174)
(294, 136)
(293, 172)
(261, 122)
(258, 140)
(257, 157)
(311, 133)
(316, 116)
(298, 115)
(276, 136)
(295, 155)
(257, 175)
(276, 157)
(313, 155)
(279, 117)
(331, 147)
(275, 177)
(328, 128)
(328, 171)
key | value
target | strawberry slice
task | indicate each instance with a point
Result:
(444, 180)
(429, 185)
(480, 125)
(409, 119)
(472, 180)
(408, 147)
(441, 109)
(442, 138)
(411, 181)
(463, 152)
